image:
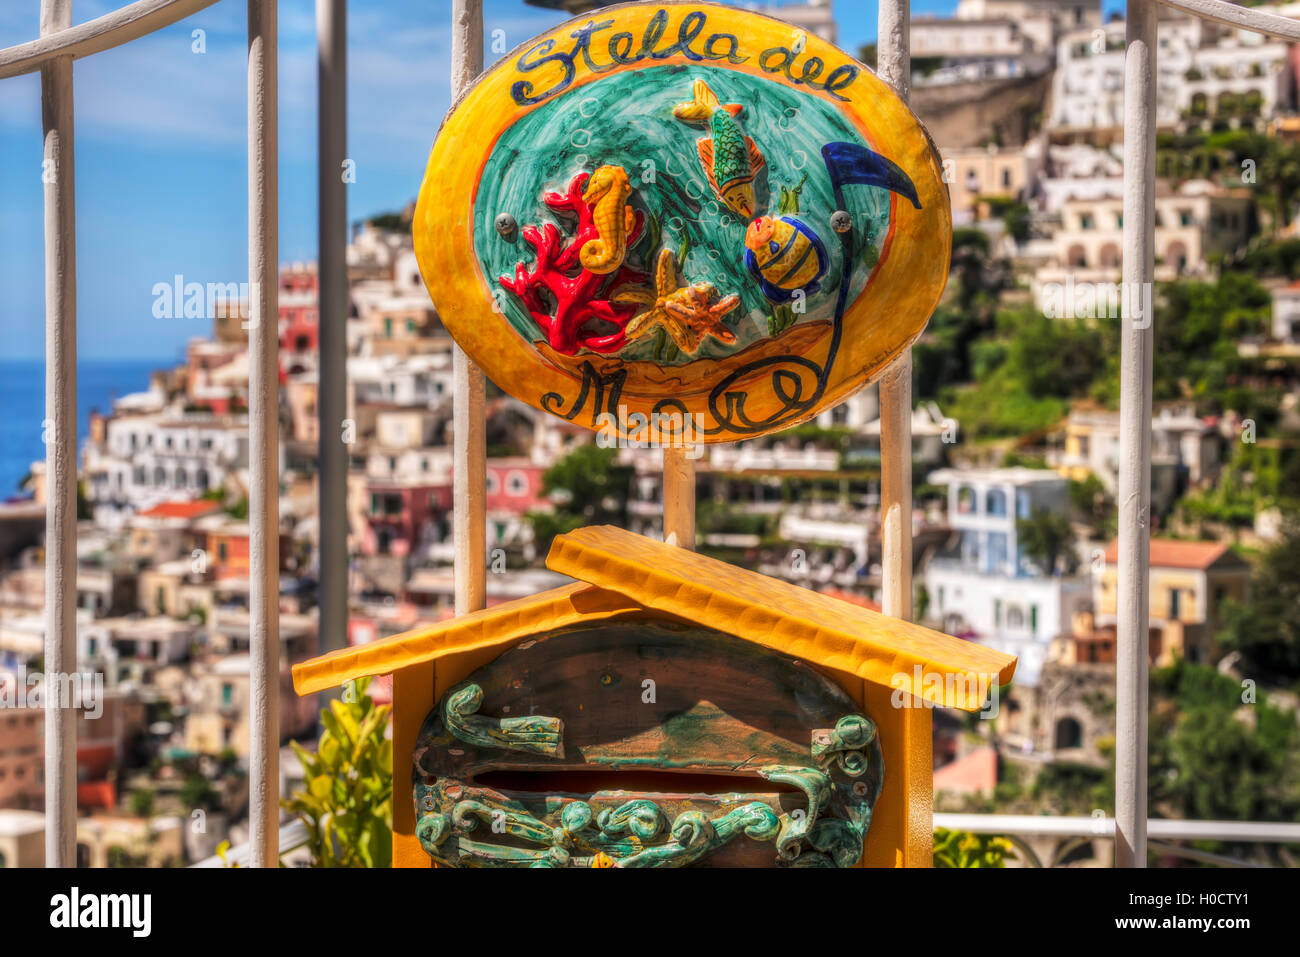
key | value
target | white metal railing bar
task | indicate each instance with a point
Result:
(1134, 498)
(332, 302)
(1247, 18)
(679, 497)
(103, 33)
(894, 66)
(291, 836)
(264, 436)
(59, 176)
(469, 428)
(1035, 825)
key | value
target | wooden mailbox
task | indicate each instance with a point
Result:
(667, 709)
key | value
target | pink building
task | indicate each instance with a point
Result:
(298, 310)
(514, 485)
(402, 515)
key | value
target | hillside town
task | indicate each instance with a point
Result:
(1015, 433)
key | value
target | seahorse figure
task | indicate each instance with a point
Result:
(606, 193)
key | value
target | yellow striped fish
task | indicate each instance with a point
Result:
(784, 255)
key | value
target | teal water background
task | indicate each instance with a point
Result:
(626, 120)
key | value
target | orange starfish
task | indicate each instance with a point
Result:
(683, 312)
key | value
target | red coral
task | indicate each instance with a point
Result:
(572, 288)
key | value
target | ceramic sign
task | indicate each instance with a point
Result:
(686, 218)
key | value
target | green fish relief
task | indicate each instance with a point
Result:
(729, 157)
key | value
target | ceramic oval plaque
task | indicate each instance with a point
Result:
(682, 222)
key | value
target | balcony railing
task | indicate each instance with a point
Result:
(52, 54)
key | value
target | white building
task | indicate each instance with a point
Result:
(995, 39)
(1286, 313)
(1185, 451)
(1204, 70)
(423, 379)
(1192, 223)
(148, 459)
(985, 586)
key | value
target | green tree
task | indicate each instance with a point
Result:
(1215, 756)
(1093, 505)
(587, 487)
(348, 802)
(1047, 538)
(141, 802)
(1266, 630)
(1279, 170)
(196, 791)
(964, 849)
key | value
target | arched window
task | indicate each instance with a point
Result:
(966, 500)
(1176, 256)
(995, 502)
(1069, 734)
(1015, 617)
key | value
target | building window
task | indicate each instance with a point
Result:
(1015, 617)
(1174, 603)
(1069, 734)
(995, 502)
(1024, 504)
(966, 500)
(227, 694)
(516, 484)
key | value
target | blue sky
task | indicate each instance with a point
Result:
(161, 152)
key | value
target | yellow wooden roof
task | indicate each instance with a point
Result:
(621, 573)
(787, 618)
(498, 625)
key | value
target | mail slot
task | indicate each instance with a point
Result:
(665, 710)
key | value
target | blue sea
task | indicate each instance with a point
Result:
(22, 405)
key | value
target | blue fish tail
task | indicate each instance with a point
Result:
(853, 165)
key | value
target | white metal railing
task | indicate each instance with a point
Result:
(1017, 827)
(52, 53)
(60, 43)
(291, 836)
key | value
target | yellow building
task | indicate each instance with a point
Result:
(1190, 581)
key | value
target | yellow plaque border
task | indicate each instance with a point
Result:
(885, 318)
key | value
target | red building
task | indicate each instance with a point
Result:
(298, 310)
(403, 514)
